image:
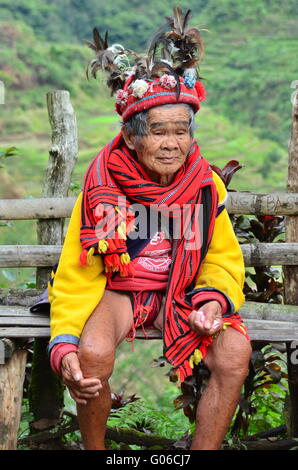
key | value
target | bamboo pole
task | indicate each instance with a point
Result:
(291, 272)
(46, 388)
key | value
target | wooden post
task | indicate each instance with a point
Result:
(12, 376)
(46, 388)
(291, 273)
(62, 158)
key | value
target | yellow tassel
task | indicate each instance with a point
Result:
(191, 361)
(125, 258)
(118, 210)
(197, 356)
(225, 325)
(242, 329)
(103, 246)
(122, 230)
(90, 259)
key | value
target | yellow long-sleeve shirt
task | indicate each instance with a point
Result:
(77, 289)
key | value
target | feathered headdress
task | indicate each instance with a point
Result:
(168, 73)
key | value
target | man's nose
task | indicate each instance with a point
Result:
(170, 142)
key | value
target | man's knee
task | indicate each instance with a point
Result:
(96, 362)
(230, 358)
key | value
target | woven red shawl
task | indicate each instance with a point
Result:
(114, 173)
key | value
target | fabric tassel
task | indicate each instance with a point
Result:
(83, 257)
(125, 258)
(103, 246)
(122, 230)
(127, 270)
(184, 371)
(115, 245)
(142, 312)
(206, 341)
(90, 258)
(112, 262)
(195, 358)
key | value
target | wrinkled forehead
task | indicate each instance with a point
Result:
(168, 115)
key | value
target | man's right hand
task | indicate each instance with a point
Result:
(80, 389)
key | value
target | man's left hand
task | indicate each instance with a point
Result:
(207, 320)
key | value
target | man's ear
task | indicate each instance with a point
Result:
(129, 138)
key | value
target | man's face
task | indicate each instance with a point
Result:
(164, 150)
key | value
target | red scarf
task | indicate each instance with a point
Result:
(115, 173)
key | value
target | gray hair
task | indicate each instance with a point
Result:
(137, 124)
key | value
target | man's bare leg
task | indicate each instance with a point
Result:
(104, 331)
(227, 358)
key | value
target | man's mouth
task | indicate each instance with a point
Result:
(168, 159)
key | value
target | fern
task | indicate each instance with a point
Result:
(145, 417)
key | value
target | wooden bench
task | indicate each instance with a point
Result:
(266, 322)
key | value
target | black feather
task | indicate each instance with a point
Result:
(98, 41)
(89, 44)
(106, 44)
(186, 20)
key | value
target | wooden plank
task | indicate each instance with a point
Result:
(268, 254)
(23, 297)
(250, 311)
(274, 336)
(33, 321)
(23, 332)
(262, 204)
(237, 203)
(256, 324)
(39, 208)
(257, 332)
(16, 310)
(48, 255)
(29, 320)
(266, 311)
(272, 322)
(270, 335)
(29, 255)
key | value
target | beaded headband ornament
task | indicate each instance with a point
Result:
(167, 74)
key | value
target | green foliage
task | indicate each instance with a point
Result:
(143, 416)
(262, 283)
(26, 419)
(127, 22)
(10, 152)
(262, 402)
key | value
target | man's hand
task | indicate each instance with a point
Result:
(207, 320)
(80, 389)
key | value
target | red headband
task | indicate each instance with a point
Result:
(139, 95)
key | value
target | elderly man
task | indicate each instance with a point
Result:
(112, 278)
